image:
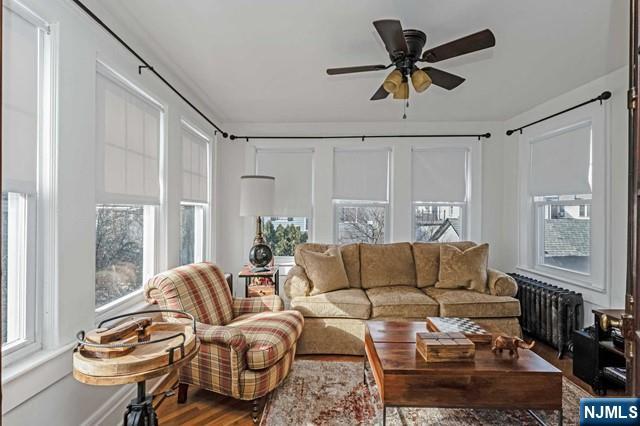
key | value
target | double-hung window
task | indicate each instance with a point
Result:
(129, 135)
(439, 188)
(25, 115)
(361, 195)
(291, 223)
(196, 189)
(560, 186)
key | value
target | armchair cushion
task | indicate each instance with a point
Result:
(199, 289)
(269, 336)
(254, 305)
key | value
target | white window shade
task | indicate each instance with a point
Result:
(293, 172)
(439, 175)
(20, 83)
(361, 175)
(128, 152)
(561, 161)
(195, 176)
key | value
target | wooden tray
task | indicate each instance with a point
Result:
(142, 363)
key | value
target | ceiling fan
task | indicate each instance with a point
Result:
(405, 50)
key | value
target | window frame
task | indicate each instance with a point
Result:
(198, 234)
(538, 241)
(358, 203)
(37, 206)
(463, 216)
(289, 260)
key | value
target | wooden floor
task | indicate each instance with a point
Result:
(207, 408)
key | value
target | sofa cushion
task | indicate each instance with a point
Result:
(427, 259)
(383, 265)
(350, 258)
(463, 269)
(402, 302)
(269, 335)
(325, 270)
(471, 304)
(349, 303)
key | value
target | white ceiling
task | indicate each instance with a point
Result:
(264, 61)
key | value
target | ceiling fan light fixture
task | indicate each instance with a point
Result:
(393, 81)
(402, 92)
(420, 80)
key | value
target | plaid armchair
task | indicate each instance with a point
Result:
(247, 344)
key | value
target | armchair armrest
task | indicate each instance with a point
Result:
(221, 335)
(297, 283)
(501, 284)
(253, 305)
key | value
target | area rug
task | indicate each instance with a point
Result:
(333, 393)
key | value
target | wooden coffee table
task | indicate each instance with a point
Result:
(491, 381)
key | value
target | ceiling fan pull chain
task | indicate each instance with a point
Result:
(404, 110)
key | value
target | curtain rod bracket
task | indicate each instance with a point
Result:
(141, 67)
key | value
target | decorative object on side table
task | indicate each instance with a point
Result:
(132, 352)
(445, 347)
(470, 329)
(256, 199)
(511, 344)
(260, 283)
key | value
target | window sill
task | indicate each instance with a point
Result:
(561, 279)
(130, 303)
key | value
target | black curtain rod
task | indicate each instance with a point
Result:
(362, 137)
(147, 65)
(602, 97)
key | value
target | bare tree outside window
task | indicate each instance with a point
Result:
(119, 251)
(187, 234)
(364, 224)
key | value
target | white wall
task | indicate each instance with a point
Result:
(616, 217)
(235, 235)
(41, 387)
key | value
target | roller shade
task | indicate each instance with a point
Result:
(293, 171)
(361, 175)
(20, 82)
(128, 151)
(195, 176)
(561, 162)
(439, 175)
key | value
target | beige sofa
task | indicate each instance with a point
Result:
(391, 281)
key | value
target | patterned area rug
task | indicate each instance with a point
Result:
(333, 393)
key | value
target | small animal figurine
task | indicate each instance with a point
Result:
(510, 343)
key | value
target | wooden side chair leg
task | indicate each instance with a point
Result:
(254, 411)
(182, 392)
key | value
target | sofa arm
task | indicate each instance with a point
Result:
(501, 284)
(297, 283)
(253, 305)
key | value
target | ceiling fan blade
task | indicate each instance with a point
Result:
(360, 68)
(443, 79)
(380, 94)
(390, 31)
(471, 43)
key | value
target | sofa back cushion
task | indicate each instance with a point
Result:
(427, 259)
(350, 258)
(384, 265)
(464, 269)
(325, 270)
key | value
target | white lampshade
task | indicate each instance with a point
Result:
(256, 195)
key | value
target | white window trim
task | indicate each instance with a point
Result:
(359, 203)
(200, 235)
(463, 216)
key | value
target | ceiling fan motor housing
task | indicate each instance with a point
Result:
(416, 40)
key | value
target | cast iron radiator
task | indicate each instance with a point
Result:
(549, 313)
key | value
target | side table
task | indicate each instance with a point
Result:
(248, 274)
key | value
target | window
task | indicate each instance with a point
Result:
(192, 233)
(121, 231)
(438, 222)
(283, 234)
(194, 209)
(129, 134)
(360, 223)
(291, 224)
(26, 91)
(564, 229)
(361, 195)
(439, 180)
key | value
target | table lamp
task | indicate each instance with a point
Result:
(256, 199)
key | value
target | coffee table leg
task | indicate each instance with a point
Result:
(364, 371)
(560, 417)
(384, 415)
